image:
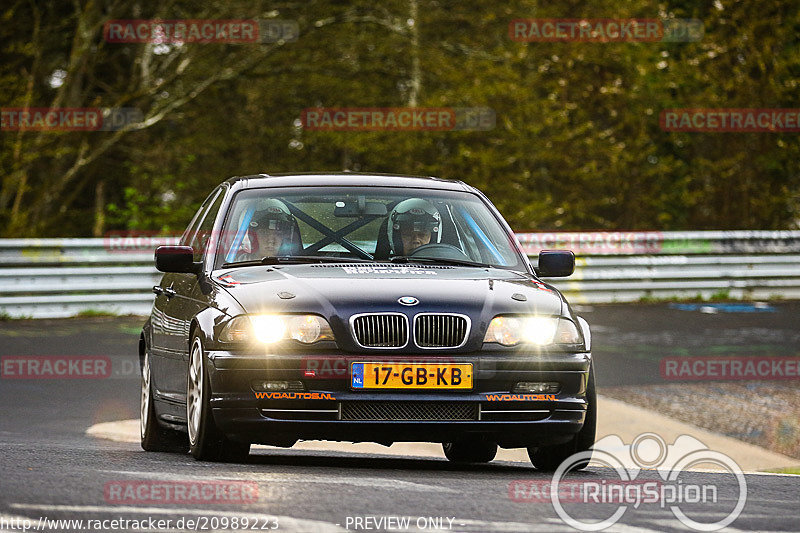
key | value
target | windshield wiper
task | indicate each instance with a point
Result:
(442, 261)
(295, 260)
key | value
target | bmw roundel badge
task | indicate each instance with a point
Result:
(408, 300)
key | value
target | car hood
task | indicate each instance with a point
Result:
(338, 291)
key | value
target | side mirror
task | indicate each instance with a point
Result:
(176, 259)
(556, 263)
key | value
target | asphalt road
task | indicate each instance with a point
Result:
(51, 469)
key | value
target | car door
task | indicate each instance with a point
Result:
(161, 351)
(186, 302)
(169, 324)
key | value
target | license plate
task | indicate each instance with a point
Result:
(411, 375)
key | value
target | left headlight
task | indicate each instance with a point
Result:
(537, 330)
(269, 329)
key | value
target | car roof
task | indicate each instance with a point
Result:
(345, 179)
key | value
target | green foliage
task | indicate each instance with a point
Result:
(793, 470)
(721, 295)
(577, 143)
(94, 313)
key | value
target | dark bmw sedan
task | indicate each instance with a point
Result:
(362, 308)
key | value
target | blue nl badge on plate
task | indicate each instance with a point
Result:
(357, 373)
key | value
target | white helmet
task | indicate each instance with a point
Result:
(414, 214)
(272, 214)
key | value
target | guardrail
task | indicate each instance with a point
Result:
(632, 266)
(43, 278)
(48, 278)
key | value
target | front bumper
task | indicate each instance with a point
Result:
(328, 409)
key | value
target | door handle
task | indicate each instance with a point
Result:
(170, 292)
(158, 290)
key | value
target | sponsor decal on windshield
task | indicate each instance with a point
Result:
(388, 270)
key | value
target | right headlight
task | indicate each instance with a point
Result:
(269, 329)
(532, 329)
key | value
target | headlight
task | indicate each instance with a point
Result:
(269, 329)
(538, 330)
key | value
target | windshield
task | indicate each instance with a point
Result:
(364, 224)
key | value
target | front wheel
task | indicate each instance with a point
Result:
(548, 458)
(465, 451)
(155, 438)
(206, 441)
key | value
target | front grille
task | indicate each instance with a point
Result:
(388, 330)
(409, 411)
(440, 331)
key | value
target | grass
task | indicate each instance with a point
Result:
(719, 296)
(654, 299)
(94, 313)
(795, 470)
(678, 299)
(5, 317)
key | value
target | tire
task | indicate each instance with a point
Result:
(548, 458)
(466, 451)
(155, 438)
(206, 441)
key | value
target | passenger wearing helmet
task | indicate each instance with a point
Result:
(270, 230)
(413, 223)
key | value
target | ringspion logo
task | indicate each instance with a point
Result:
(646, 451)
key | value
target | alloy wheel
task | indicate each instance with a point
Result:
(194, 392)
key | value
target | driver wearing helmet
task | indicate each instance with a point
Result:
(413, 223)
(271, 230)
